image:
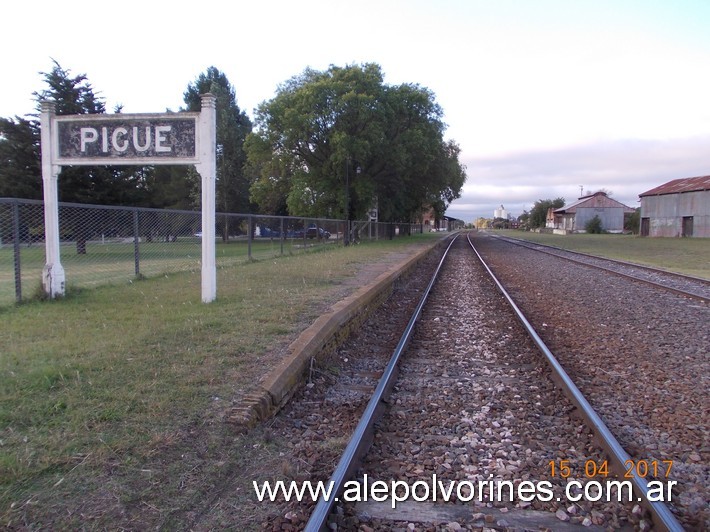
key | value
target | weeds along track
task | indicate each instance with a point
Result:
(476, 405)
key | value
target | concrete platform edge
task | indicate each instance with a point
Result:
(318, 341)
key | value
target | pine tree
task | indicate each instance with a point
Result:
(20, 171)
(233, 125)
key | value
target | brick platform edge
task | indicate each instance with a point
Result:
(318, 341)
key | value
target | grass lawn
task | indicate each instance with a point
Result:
(114, 262)
(690, 256)
(111, 398)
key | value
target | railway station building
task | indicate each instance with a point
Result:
(445, 223)
(574, 217)
(679, 208)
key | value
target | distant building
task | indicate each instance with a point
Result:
(550, 218)
(575, 216)
(500, 213)
(678, 208)
(445, 223)
(428, 220)
(449, 223)
(481, 223)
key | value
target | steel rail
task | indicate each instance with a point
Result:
(360, 439)
(531, 244)
(535, 247)
(662, 516)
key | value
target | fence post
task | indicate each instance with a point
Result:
(249, 228)
(16, 249)
(283, 236)
(136, 241)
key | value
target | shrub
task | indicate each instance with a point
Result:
(594, 226)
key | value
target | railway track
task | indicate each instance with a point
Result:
(694, 287)
(477, 409)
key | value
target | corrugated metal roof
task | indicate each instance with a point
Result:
(688, 184)
(596, 200)
(572, 205)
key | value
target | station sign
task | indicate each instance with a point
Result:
(126, 139)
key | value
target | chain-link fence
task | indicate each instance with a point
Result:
(104, 244)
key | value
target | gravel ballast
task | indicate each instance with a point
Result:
(475, 400)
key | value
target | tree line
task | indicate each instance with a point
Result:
(335, 143)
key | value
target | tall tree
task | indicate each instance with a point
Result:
(171, 187)
(233, 125)
(538, 214)
(117, 185)
(340, 141)
(20, 172)
(72, 95)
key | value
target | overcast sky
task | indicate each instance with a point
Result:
(543, 96)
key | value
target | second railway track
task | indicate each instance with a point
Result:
(476, 403)
(686, 285)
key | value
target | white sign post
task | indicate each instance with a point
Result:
(207, 169)
(130, 139)
(53, 272)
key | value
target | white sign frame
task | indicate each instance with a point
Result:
(204, 153)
